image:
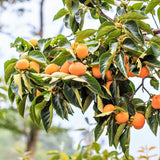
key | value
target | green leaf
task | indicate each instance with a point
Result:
(57, 103)
(151, 118)
(37, 56)
(36, 78)
(44, 43)
(120, 62)
(96, 147)
(104, 114)
(46, 115)
(18, 83)
(21, 105)
(154, 83)
(67, 107)
(134, 31)
(93, 84)
(114, 34)
(94, 13)
(137, 6)
(27, 82)
(155, 50)
(62, 12)
(63, 42)
(144, 26)
(37, 111)
(11, 95)
(131, 109)
(129, 45)
(132, 16)
(52, 152)
(110, 1)
(55, 157)
(153, 124)
(85, 34)
(87, 103)
(124, 142)
(113, 47)
(61, 58)
(111, 131)
(64, 156)
(72, 5)
(73, 24)
(77, 95)
(70, 95)
(99, 103)
(104, 30)
(152, 60)
(9, 69)
(100, 128)
(105, 62)
(152, 4)
(155, 40)
(114, 88)
(158, 14)
(126, 87)
(21, 45)
(118, 134)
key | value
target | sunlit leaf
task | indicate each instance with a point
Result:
(85, 34)
(62, 12)
(152, 4)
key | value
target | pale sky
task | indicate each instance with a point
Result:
(17, 26)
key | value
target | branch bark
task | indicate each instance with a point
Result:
(105, 16)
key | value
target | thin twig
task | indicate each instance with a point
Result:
(146, 91)
(155, 21)
(130, 98)
(105, 16)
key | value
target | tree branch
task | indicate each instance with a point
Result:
(41, 19)
(105, 16)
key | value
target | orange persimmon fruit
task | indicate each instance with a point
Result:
(77, 69)
(138, 121)
(122, 117)
(51, 68)
(82, 50)
(156, 102)
(22, 64)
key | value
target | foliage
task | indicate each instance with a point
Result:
(108, 46)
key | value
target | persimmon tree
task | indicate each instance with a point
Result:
(92, 68)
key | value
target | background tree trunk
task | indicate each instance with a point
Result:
(32, 141)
